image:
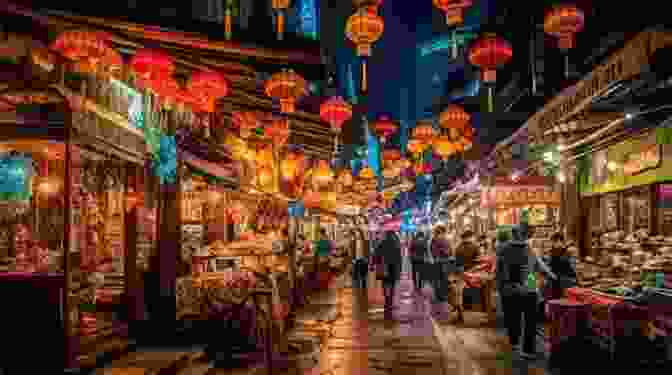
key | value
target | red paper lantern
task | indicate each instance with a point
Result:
(208, 85)
(564, 22)
(336, 111)
(151, 66)
(384, 128)
(454, 10)
(246, 121)
(454, 117)
(364, 28)
(489, 53)
(286, 87)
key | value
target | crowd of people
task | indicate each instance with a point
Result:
(441, 263)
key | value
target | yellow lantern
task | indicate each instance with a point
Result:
(445, 147)
(323, 174)
(264, 157)
(290, 166)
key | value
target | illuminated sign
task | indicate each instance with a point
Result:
(520, 196)
(446, 42)
(642, 160)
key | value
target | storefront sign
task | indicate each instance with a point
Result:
(626, 63)
(522, 196)
(642, 160)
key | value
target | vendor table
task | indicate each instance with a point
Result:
(621, 325)
(569, 320)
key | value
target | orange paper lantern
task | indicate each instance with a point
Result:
(364, 28)
(454, 10)
(287, 87)
(278, 131)
(564, 22)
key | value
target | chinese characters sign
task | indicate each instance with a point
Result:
(521, 196)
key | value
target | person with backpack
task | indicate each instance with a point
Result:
(418, 254)
(516, 283)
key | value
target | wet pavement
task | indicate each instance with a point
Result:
(342, 332)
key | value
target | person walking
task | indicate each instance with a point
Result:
(360, 268)
(390, 258)
(440, 252)
(418, 254)
(466, 255)
(516, 265)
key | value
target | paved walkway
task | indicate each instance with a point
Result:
(350, 337)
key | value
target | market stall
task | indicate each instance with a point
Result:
(74, 179)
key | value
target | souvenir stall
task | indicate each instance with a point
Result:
(617, 173)
(78, 174)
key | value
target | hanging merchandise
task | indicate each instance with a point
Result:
(165, 164)
(564, 22)
(364, 28)
(454, 10)
(489, 53)
(16, 173)
(280, 6)
(229, 11)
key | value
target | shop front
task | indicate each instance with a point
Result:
(525, 199)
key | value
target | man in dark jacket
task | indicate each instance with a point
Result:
(389, 253)
(418, 252)
(467, 252)
(515, 263)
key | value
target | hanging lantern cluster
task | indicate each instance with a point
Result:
(490, 52)
(90, 50)
(564, 22)
(454, 10)
(364, 28)
(384, 128)
(287, 87)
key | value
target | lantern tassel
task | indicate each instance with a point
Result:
(364, 77)
(566, 65)
(281, 24)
